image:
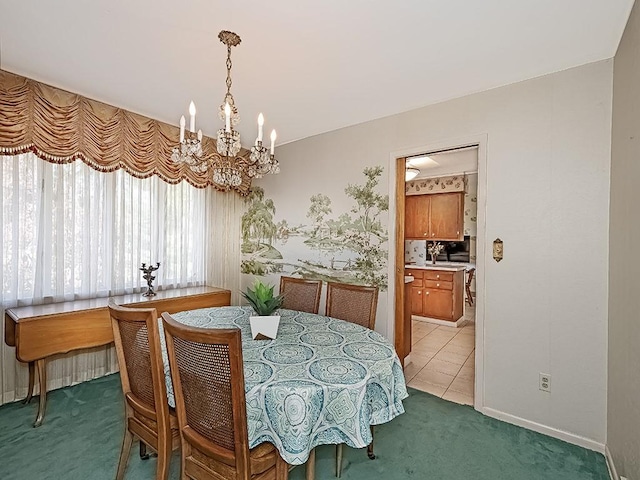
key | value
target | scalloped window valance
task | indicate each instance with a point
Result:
(60, 127)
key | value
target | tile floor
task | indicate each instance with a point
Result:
(443, 360)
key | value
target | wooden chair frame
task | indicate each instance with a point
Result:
(332, 287)
(467, 286)
(225, 463)
(316, 284)
(156, 428)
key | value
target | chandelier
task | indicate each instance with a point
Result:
(227, 168)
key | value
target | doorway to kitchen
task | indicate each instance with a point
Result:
(437, 252)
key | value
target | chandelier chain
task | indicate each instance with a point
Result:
(229, 65)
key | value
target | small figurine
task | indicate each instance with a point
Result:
(149, 278)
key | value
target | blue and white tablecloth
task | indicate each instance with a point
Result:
(321, 381)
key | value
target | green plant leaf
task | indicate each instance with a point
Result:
(262, 300)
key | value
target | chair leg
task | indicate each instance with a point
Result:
(183, 466)
(469, 298)
(282, 469)
(164, 457)
(370, 447)
(143, 451)
(339, 453)
(311, 466)
(127, 441)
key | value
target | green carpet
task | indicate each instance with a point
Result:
(434, 439)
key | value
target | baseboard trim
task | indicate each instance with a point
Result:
(544, 429)
(613, 473)
(437, 321)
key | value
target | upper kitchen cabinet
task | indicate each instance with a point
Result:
(436, 216)
(446, 216)
(416, 216)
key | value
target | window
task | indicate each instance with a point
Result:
(69, 231)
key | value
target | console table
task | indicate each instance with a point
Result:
(40, 331)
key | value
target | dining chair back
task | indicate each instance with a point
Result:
(353, 303)
(301, 294)
(467, 286)
(208, 384)
(147, 415)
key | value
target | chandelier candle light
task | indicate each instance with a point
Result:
(227, 168)
(190, 149)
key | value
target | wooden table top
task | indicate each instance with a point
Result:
(29, 312)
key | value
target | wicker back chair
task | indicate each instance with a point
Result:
(136, 336)
(301, 294)
(208, 383)
(353, 303)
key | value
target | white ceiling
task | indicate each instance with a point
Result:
(311, 67)
(464, 160)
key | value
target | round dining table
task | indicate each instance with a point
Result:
(320, 381)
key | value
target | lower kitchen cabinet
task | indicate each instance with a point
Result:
(437, 293)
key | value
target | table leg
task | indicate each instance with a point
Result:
(311, 465)
(42, 379)
(32, 381)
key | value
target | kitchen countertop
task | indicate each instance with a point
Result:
(447, 266)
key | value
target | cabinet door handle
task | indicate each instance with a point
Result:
(437, 284)
(419, 292)
(437, 276)
(425, 234)
(433, 234)
(426, 293)
(458, 232)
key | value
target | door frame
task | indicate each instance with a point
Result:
(396, 253)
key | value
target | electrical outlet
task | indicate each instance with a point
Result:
(545, 382)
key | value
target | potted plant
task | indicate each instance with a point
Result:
(264, 325)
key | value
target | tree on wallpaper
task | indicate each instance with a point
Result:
(349, 248)
(258, 234)
(367, 236)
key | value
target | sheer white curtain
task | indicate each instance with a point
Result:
(223, 218)
(71, 232)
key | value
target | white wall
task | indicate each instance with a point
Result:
(548, 158)
(623, 420)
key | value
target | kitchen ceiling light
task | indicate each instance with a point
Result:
(410, 173)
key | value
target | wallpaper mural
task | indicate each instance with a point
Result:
(332, 245)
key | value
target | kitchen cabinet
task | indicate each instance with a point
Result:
(437, 293)
(436, 216)
(416, 216)
(447, 216)
(416, 291)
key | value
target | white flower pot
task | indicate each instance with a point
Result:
(264, 328)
